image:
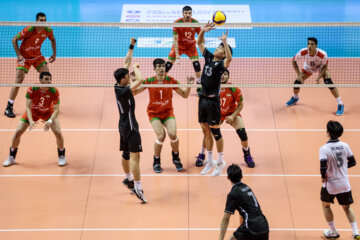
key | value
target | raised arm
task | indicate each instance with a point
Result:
(138, 77)
(53, 46)
(228, 55)
(201, 40)
(129, 54)
(176, 45)
(185, 92)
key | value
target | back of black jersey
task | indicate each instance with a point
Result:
(242, 199)
(211, 75)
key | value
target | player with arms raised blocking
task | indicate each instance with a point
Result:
(231, 103)
(130, 139)
(335, 159)
(316, 60)
(209, 100)
(41, 103)
(161, 112)
(185, 43)
(29, 55)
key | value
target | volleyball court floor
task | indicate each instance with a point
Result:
(86, 200)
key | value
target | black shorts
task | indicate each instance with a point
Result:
(240, 235)
(131, 143)
(209, 110)
(343, 198)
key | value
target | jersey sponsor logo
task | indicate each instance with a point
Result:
(43, 35)
(228, 95)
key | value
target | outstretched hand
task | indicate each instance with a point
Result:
(190, 79)
(132, 41)
(209, 26)
(223, 38)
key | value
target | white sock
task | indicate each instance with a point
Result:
(296, 96)
(338, 99)
(354, 228)
(220, 157)
(246, 149)
(138, 185)
(209, 156)
(332, 226)
(11, 101)
(129, 176)
(203, 150)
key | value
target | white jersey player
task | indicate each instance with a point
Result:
(335, 159)
(315, 61)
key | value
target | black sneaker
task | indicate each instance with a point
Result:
(248, 159)
(128, 184)
(177, 162)
(157, 165)
(139, 194)
(200, 160)
(9, 111)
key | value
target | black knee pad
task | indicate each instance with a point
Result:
(126, 155)
(297, 82)
(216, 132)
(196, 66)
(168, 66)
(242, 134)
(328, 81)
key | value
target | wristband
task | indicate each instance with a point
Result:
(131, 47)
(49, 121)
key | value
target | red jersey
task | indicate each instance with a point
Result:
(186, 36)
(229, 99)
(43, 100)
(32, 41)
(160, 98)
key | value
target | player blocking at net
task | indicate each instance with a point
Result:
(335, 159)
(130, 139)
(316, 61)
(29, 55)
(209, 101)
(42, 103)
(185, 43)
(161, 112)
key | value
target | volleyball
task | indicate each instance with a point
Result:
(219, 18)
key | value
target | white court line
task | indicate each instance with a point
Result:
(153, 229)
(160, 175)
(184, 129)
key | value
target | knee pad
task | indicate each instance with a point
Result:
(328, 81)
(126, 155)
(297, 82)
(175, 140)
(216, 132)
(196, 66)
(242, 134)
(168, 66)
(159, 142)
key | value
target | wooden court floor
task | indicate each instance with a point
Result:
(86, 200)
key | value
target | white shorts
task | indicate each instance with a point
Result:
(310, 70)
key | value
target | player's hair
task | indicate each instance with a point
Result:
(44, 74)
(221, 44)
(335, 129)
(40, 14)
(313, 39)
(234, 173)
(158, 61)
(187, 8)
(227, 72)
(120, 73)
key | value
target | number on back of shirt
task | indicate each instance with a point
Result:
(251, 194)
(208, 71)
(339, 159)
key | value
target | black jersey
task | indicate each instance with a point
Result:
(126, 105)
(211, 75)
(241, 198)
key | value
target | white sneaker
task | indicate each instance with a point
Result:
(218, 169)
(9, 161)
(209, 165)
(62, 161)
(330, 234)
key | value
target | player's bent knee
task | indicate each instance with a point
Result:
(196, 66)
(216, 132)
(126, 155)
(297, 82)
(242, 134)
(329, 81)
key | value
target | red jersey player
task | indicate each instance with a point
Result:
(29, 55)
(185, 43)
(161, 113)
(231, 104)
(41, 103)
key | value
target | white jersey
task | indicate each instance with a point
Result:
(312, 63)
(336, 153)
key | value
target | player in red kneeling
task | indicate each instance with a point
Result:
(41, 103)
(231, 103)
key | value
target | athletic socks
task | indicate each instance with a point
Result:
(209, 156)
(220, 157)
(138, 185)
(246, 151)
(338, 99)
(354, 228)
(13, 152)
(61, 152)
(10, 102)
(129, 176)
(203, 149)
(332, 226)
(296, 96)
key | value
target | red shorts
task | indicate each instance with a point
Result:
(223, 117)
(190, 52)
(163, 117)
(36, 62)
(36, 116)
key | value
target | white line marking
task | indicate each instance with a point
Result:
(160, 175)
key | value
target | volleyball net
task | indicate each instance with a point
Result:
(88, 53)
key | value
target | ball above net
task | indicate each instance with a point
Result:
(219, 18)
